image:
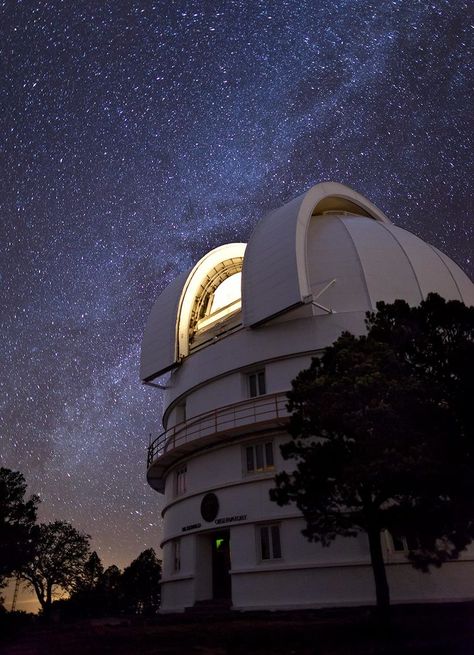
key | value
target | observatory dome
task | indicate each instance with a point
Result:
(328, 252)
(232, 333)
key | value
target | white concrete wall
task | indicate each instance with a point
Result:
(233, 388)
(176, 595)
(307, 574)
(318, 587)
(352, 584)
(247, 348)
(220, 467)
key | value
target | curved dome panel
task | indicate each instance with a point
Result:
(434, 270)
(461, 280)
(215, 267)
(167, 331)
(159, 345)
(356, 261)
(275, 273)
(384, 265)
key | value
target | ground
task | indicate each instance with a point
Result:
(416, 630)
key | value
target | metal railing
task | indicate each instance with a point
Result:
(230, 417)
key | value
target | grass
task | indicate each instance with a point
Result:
(446, 629)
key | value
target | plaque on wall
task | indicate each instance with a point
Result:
(209, 507)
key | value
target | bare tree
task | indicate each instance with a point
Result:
(60, 553)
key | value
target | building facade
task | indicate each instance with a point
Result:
(230, 335)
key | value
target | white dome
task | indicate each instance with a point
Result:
(329, 252)
(332, 236)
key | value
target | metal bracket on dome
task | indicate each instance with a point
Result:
(151, 382)
(157, 386)
(328, 310)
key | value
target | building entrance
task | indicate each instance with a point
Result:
(221, 584)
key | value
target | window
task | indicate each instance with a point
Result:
(176, 546)
(402, 544)
(180, 481)
(180, 412)
(256, 384)
(270, 545)
(259, 457)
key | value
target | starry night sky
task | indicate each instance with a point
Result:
(136, 136)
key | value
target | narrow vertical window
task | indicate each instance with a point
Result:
(258, 457)
(180, 481)
(276, 546)
(264, 543)
(269, 454)
(176, 555)
(181, 412)
(256, 384)
(252, 386)
(270, 545)
(250, 459)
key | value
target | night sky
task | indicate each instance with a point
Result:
(136, 136)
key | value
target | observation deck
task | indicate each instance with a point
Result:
(238, 419)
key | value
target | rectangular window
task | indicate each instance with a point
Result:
(399, 544)
(176, 555)
(256, 384)
(180, 412)
(270, 545)
(180, 481)
(403, 544)
(259, 457)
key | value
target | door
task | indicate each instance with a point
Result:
(221, 584)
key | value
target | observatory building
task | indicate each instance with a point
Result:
(231, 334)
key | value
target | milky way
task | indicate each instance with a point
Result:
(138, 135)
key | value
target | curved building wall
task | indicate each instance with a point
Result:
(306, 574)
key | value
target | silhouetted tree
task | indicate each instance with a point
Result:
(59, 556)
(92, 573)
(85, 599)
(17, 517)
(382, 435)
(109, 590)
(141, 584)
(96, 592)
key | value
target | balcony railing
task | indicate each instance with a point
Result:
(271, 407)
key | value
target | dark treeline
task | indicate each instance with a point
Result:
(56, 559)
(111, 592)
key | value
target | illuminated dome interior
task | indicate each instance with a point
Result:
(218, 299)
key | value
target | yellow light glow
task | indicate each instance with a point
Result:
(199, 292)
(227, 292)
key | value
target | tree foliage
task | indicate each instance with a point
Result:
(17, 517)
(60, 553)
(141, 584)
(92, 574)
(382, 435)
(110, 592)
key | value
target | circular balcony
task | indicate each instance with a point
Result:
(246, 417)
